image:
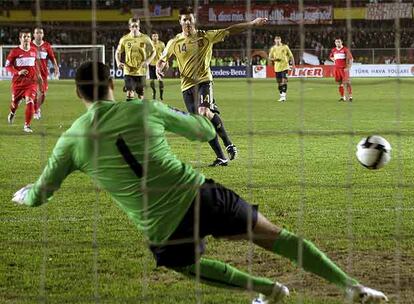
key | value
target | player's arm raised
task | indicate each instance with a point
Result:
(237, 28)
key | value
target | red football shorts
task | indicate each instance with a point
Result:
(341, 75)
(18, 93)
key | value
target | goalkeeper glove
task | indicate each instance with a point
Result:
(20, 196)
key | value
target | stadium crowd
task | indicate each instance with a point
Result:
(318, 39)
(363, 35)
(128, 4)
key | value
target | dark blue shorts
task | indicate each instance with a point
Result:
(282, 74)
(200, 95)
(222, 213)
(152, 72)
(135, 83)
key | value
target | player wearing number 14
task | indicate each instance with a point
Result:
(193, 50)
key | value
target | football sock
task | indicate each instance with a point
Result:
(161, 84)
(284, 88)
(341, 90)
(154, 92)
(280, 89)
(221, 131)
(349, 89)
(215, 145)
(313, 260)
(220, 274)
(29, 113)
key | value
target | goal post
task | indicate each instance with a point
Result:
(68, 57)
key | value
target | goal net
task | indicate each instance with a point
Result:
(69, 57)
(297, 154)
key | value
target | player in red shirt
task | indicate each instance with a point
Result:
(23, 64)
(343, 59)
(45, 53)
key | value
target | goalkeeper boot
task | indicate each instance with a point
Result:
(364, 295)
(232, 151)
(27, 129)
(219, 162)
(279, 293)
(10, 117)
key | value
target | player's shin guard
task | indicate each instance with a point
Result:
(215, 145)
(221, 131)
(341, 90)
(29, 113)
(312, 259)
(220, 274)
(154, 92)
(161, 84)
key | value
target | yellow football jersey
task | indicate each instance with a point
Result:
(159, 48)
(281, 56)
(193, 55)
(137, 50)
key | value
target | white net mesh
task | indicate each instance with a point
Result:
(297, 159)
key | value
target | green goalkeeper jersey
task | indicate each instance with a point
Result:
(193, 55)
(157, 197)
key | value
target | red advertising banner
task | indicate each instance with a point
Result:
(277, 14)
(307, 71)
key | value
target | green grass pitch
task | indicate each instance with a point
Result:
(297, 161)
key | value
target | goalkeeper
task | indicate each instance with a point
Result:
(161, 194)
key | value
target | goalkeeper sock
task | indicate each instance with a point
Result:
(221, 131)
(215, 145)
(313, 260)
(220, 274)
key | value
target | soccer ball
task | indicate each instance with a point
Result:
(373, 152)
